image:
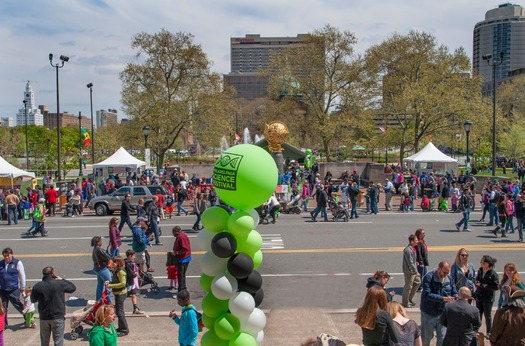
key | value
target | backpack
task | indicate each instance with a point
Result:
(130, 273)
(37, 214)
(199, 318)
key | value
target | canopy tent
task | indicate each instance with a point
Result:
(121, 158)
(431, 159)
(10, 172)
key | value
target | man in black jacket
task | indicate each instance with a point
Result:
(125, 209)
(461, 319)
(49, 294)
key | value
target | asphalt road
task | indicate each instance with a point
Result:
(306, 264)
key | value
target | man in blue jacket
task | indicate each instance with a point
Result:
(140, 241)
(12, 280)
(438, 289)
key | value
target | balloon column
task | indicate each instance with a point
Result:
(244, 177)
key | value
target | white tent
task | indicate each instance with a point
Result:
(121, 158)
(431, 158)
(9, 171)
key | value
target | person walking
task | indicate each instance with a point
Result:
(519, 207)
(421, 254)
(12, 281)
(465, 204)
(153, 219)
(39, 216)
(140, 241)
(125, 209)
(181, 196)
(412, 276)
(50, 296)
(114, 238)
(321, 198)
(182, 251)
(353, 192)
(438, 289)
(486, 284)
(501, 210)
(461, 320)
(199, 207)
(101, 261)
(120, 291)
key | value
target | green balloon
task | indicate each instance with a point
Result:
(215, 219)
(214, 307)
(226, 326)
(249, 244)
(242, 339)
(245, 176)
(205, 282)
(209, 322)
(240, 223)
(211, 339)
(257, 259)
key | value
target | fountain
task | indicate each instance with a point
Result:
(224, 144)
(246, 136)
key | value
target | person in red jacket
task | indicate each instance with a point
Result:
(182, 251)
(51, 198)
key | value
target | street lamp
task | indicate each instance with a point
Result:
(145, 131)
(27, 138)
(487, 58)
(80, 143)
(90, 86)
(468, 126)
(58, 65)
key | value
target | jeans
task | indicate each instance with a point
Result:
(318, 209)
(510, 224)
(55, 327)
(12, 296)
(412, 198)
(485, 309)
(197, 222)
(485, 209)
(429, 323)
(124, 219)
(114, 252)
(181, 271)
(119, 311)
(179, 208)
(465, 219)
(373, 205)
(493, 214)
(353, 212)
(154, 228)
(422, 270)
(521, 224)
(103, 275)
(12, 214)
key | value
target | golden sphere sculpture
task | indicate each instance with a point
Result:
(276, 133)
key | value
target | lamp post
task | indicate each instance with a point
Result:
(487, 58)
(27, 138)
(467, 125)
(145, 131)
(63, 60)
(458, 138)
(90, 86)
(80, 173)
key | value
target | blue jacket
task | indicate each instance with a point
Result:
(9, 276)
(140, 240)
(433, 292)
(188, 325)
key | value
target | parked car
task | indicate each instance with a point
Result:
(108, 204)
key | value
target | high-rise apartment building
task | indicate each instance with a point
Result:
(106, 117)
(248, 55)
(502, 31)
(34, 117)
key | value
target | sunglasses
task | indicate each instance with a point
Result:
(464, 255)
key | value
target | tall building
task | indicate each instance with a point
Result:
(7, 122)
(248, 55)
(106, 117)
(502, 31)
(34, 117)
(66, 120)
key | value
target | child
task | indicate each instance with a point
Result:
(188, 323)
(29, 309)
(132, 277)
(406, 202)
(169, 205)
(2, 324)
(425, 203)
(27, 208)
(141, 211)
(171, 267)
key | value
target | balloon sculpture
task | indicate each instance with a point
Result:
(244, 177)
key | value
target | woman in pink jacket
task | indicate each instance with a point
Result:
(509, 204)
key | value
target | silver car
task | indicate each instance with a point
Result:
(108, 204)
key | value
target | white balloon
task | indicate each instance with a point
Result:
(212, 265)
(223, 286)
(204, 237)
(241, 305)
(254, 323)
(255, 215)
(259, 337)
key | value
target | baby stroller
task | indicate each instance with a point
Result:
(146, 278)
(86, 315)
(339, 212)
(264, 214)
(68, 210)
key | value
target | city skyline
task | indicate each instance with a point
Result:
(96, 36)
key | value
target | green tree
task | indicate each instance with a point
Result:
(171, 89)
(511, 143)
(422, 86)
(323, 76)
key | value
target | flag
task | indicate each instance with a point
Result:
(86, 137)
(383, 129)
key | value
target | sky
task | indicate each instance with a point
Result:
(96, 36)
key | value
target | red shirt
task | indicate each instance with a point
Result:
(181, 246)
(160, 201)
(52, 195)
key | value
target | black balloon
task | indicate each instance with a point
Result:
(240, 265)
(251, 283)
(258, 297)
(224, 245)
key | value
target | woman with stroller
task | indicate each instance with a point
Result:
(120, 291)
(101, 260)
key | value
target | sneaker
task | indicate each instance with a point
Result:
(158, 244)
(457, 227)
(466, 230)
(174, 296)
(504, 236)
(138, 312)
(410, 304)
(186, 213)
(150, 270)
(495, 232)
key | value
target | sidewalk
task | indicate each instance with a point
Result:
(284, 327)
